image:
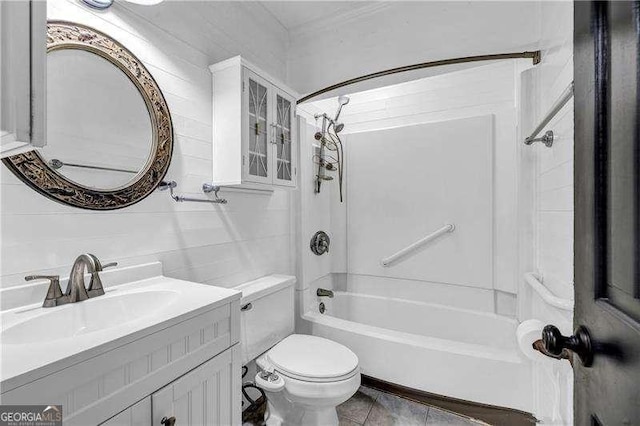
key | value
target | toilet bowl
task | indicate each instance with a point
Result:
(316, 375)
(305, 377)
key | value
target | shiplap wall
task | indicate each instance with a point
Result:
(392, 34)
(219, 245)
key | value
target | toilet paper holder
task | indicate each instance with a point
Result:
(538, 345)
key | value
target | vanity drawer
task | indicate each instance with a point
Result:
(100, 387)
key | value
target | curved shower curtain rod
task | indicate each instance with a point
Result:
(534, 55)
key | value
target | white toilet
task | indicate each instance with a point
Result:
(305, 377)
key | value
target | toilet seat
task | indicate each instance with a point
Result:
(318, 380)
(312, 359)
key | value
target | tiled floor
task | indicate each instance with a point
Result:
(370, 407)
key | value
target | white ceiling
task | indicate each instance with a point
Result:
(295, 14)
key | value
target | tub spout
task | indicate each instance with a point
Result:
(321, 292)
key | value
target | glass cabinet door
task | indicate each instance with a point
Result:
(257, 162)
(284, 155)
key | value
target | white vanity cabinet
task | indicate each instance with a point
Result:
(180, 360)
(23, 43)
(207, 395)
(254, 140)
(138, 414)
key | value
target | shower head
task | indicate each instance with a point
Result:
(338, 127)
(342, 101)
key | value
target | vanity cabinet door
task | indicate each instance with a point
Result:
(23, 43)
(138, 414)
(284, 148)
(259, 131)
(208, 395)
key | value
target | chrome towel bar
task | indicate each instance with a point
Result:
(206, 188)
(58, 164)
(547, 139)
(387, 261)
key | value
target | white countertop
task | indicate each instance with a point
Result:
(23, 360)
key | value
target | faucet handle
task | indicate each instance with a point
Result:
(109, 265)
(42, 277)
(99, 266)
(54, 293)
(95, 285)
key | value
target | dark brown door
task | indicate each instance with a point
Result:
(607, 213)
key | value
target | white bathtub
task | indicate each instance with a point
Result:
(448, 351)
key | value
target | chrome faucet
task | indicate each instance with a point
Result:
(76, 290)
(321, 292)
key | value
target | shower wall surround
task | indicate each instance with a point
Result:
(423, 176)
(546, 192)
(218, 245)
(420, 154)
(484, 277)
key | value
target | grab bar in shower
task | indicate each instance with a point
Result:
(387, 261)
(547, 138)
(546, 295)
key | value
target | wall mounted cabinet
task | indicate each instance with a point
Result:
(23, 43)
(254, 139)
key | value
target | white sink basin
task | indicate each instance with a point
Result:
(97, 314)
(36, 341)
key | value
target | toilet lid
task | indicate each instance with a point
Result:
(312, 357)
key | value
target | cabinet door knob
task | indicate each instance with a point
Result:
(168, 421)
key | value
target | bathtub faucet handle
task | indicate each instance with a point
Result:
(320, 243)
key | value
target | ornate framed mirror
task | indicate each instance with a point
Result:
(109, 130)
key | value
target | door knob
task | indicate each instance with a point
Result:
(580, 343)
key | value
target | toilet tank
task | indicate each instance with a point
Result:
(267, 313)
